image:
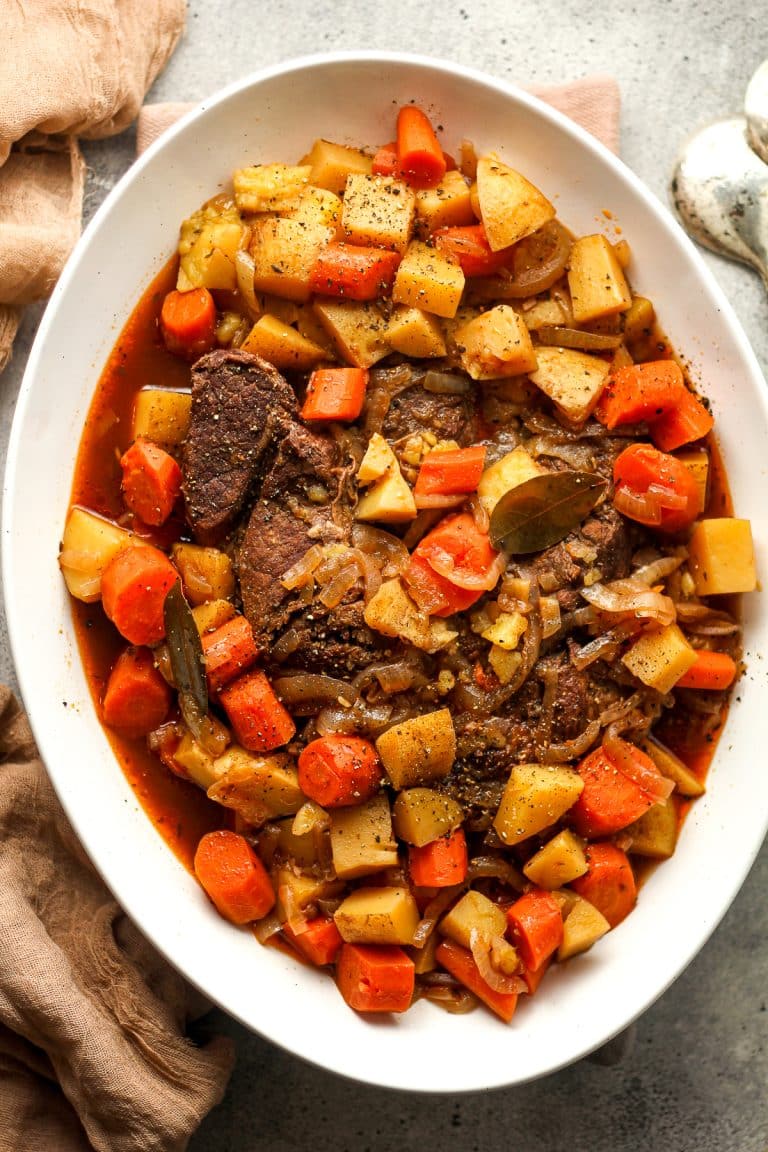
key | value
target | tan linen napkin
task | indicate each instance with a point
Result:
(70, 68)
(93, 1044)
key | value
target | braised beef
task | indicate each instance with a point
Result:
(241, 408)
(335, 642)
(415, 410)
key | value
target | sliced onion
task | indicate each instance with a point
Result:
(579, 456)
(537, 262)
(444, 564)
(300, 572)
(446, 383)
(266, 927)
(387, 549)
(337, 588)
(668, 497)
(245, 269)
(311, 690)
(418, 528)
(295, 916)
(479, 514)
(630, 597)
(434, 500)
(602, 647)
(576, 338)
(622, 754)
(640, 506)
(433, 911)
(286, 644)
(492, 867)
(572, 749)
(657, 570)
(481, 946)
(456, 1000)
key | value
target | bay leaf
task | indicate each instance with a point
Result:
(186, 654)
(543, 510)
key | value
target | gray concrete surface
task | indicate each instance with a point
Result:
(697, 1078)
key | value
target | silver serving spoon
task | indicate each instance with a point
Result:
(720, 183)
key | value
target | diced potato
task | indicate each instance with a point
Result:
(331, 164)
(429, 280)
(543, 314)
(284, 252)
(359, 330)
(596, 280)
(583, 926)
(212, 614)
(301, 849)
(561, 860)
(496, 343)
(504, 664)
(378, 916)
(660, 657)
(378, 210)
(392, 612)
(421, 815)
(362, 841)
(655, 832)
(420, 750)
(416, 333)
(161, 415)
(510, 206)
(206, 573)
(638, 322)
(298, 890)
(282, 345)
(722, 557)
(258, 787)
(535, 796)
(198, 764)
(377, 461)
(208, 242)
(506, 630)
(671, 766)
(572, 380)
(308, 323)
(319, 208)
(473, 911)
(270, 187)
(696, 461)
(446, 205)
(513, 469)
(389, 500)
(88, 544)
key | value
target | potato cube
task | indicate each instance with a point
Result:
(596, 280)
(671, 766)
(206, 573)
(583, 926)
(88, 544)
(331, 164)
(378, 210)
(696, 461)
(654, 834)
(392, 612)
(542, 314)
(211, 614)
(447, 205)
(429, 280)
(660, 657)
(513, 469)
(561, 860)
(359, 330)
(389, 500)
(208, 242)
(362, 841)
(282, 345)
(722, 557)
(496, 343)
(506, 630)
(270, 187)
(198, 764)
(319, 208)
(297, 890)
(301, 849)
(378, 916)
(421, 815)
(419, 750)
(284, 252)
(416, 333)
(161, 415)
(473, 911)
(572, 380)
(504, 664)
(535, 796)
(377, 461)
(258, 787)
(639, 319)
(510, 206)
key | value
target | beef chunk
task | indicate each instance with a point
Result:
(336, 642)
(241, 406)
(416, 410)
(609, 534)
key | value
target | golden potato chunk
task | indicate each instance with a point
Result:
(377, 461)
(359, 330)
(362, 841)
(513, 469)
(506, 630)
(161, 415)
(199, 765)
(389, 500)
(510, 206)
(473, 911)
(270, 187)
(379, 211)
(573, 380)
(671, 766)
(448, 204)
(211, 614)
(416, 333)
(88, 544)
(206, 573)
(258, 787)
(654, 834)
(419, 750)
(496, 343)
(282, 345)
(596, 281)
(297, 890)
(535, 796)
(392, 612)
(429, 280)
(284, 252)
(331, 164)
(722, 556)
(583, 926)
(318, 208)
(208, 243)
(660, 657)
(696, 461)
(561, 860)
(378, 916)
(421, 815)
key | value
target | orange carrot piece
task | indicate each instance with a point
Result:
(319, 942)
(640, 392)
(136, 698)
(536, 925)
(609, 884)
(260, 721)
(133, 589)
(461, 965)
(375, 977)
(420, 158)
(459, 554)
(385, 160)
(228, 651)
(533, 979)
(335, 394)
(688, 420)
(354, 272)
(233, 877)
(655, 488)
(468, 244)
(712, 672)
(609, 801)
(432, 592)
(339, 770)
(151, 482)
(440, 863)
(450, 473)
(188, 323)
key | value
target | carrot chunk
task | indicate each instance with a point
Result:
(319, 942)
(439, 863)
(536, 925)
(688, 420)
(432, 592)
(338, 770)
(385, 160)
(468, 244)
(335, 394)
(233, 877)
(375, 977)
(450, 473)
(654, 488)
(459, 962)
(151, 482)
(133, 589)
(459, 555)
(609, 801)
(260, 721)
(228, 651)
(356, 273)
(137, 698)
(420, 158)
(713, 671)
(188, 322)
(609, 884)
(641, 392)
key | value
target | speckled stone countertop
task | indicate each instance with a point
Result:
(697, 1077)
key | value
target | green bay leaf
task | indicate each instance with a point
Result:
(542, 511)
